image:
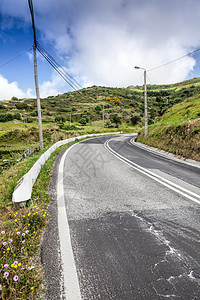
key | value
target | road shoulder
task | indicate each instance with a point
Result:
(169, 155)
(50, 253)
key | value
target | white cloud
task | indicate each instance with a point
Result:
(52, 88)
(104, 40)
(10, 89)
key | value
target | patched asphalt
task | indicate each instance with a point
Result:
(131, 237)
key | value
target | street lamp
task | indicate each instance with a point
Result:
(145, 101)
(103, 118)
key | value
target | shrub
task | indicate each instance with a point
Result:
(52, 102)
(98, 108)
(86, 118)
(2, 106)
(6, 117)
(21, 105)
(60, 119)
(62, 109)
(135, 120)
(16, 116)
(34, 113)
(83, 121)
(115, 119)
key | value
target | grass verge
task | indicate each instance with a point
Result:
(21, 231)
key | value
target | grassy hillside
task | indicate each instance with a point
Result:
(64, 115)
(178, 130)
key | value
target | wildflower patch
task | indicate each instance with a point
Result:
(19, 241)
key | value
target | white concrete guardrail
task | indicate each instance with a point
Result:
(23, 190)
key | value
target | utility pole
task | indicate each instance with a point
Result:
(145, 105)
(36, 77)
(145, 102)
(38, 99)
(103, 118)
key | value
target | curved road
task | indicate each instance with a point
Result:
(134, 221)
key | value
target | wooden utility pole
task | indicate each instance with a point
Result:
(103, 118)
(36, 76)
(38, 99)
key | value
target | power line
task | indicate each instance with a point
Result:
(170, 62)
(13, 59)
(149, 79)
(59, 69)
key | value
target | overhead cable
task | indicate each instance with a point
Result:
(59, 67)
(172, 61)
(8, 62)
(60, 70)
(33, 21)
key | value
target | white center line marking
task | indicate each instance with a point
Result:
(184, 192)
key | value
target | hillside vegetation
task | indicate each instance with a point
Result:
(80, 112)
(178, 130)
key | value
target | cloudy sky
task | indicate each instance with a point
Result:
(98, 42)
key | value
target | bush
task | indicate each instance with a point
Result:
(21, 105)
(60, 119)
(135, 120)
(34, 113)
(17, 116)
(83, 121)
(98, 108)
(52, 102)
(115, 119)
(62, 109)
(86, 117)
(150, 121)
(6, 117)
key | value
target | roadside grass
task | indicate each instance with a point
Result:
(15, 140)
(21, 231)
(178, 131)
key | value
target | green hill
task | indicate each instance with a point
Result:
(178, 130)
(64, 115)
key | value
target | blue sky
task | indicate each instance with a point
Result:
(98, 42)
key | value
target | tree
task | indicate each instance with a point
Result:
(14, 98)
(98, 108)
(115, 119)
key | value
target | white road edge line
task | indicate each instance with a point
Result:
(154, 176)
(165, 155)
(71, 284)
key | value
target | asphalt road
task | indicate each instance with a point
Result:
(134, 222)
